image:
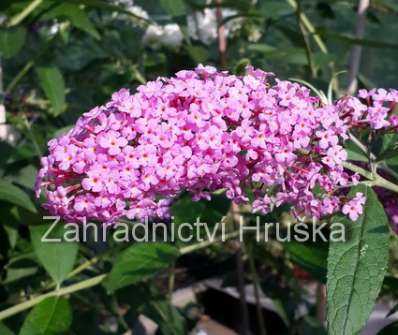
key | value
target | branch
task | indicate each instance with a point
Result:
(85, 284)
(56, 293)
(374, 178)
(311, 29)
(17, 19)
(356, 52)
(222, 39)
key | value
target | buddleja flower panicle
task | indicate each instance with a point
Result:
(201, 131)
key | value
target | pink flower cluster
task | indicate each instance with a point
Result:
(374, 109)
(354, 207)
(199, 132)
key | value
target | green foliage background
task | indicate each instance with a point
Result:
(61, 58)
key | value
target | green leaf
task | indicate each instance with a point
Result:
(383, 144)
(139, 262)
(356, 268)
(11, 41)
(53, 85)
(14, 195)
(289, 55)
(275, 9)
(107, 6)
(52, 316)
(312, 326)
(311, 257)
(4, 330)
(356, 41)
(10, 221)
(166, 316)
(187, 210)
(198, 53)
(58, 258)
(174, 7)
(25, 176)
(354, 153)
(16, 274)
(77, 17)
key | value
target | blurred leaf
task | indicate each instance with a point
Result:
(187, 210)
(11, 41)
(24, 177)
(77, 17)
(385, 147)
(292, 35)
(356, 41)
(289, 55)
(311, 257)
(53, 85)
(14, 195)
(51, 317)
(10, 221)
(58, 258)
(80, 53)
(16, 273)
(12, 233)
(280, 309)
(174, 7)
(6, 151)
(262, 47)
(275, 9)
(365, 81)
(313, 326)
(391, 329)
(24, 12)
(240, 66)
(4, 330)
(108, 6)
(325, 10)
(62, 131)
(166, 316)
(354, 153)
(356, 268)
(139, 262)
(198, 54)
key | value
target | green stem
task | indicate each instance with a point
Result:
(205, 244)
(33, 137)
(172, 276)
(237, 220)
(374, 178)
(57, 293)
(17, 19)
(19, 76)
(308, 25)
(92, 281)
(390, 171)
(361, 146)
(82, 267)
(256, 283)
(304, 36)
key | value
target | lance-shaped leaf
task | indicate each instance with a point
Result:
(53, 84)
(52, 316)
(13, 194)
(356, 268)
(11, 41)
(139, 262)
(56, 256)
